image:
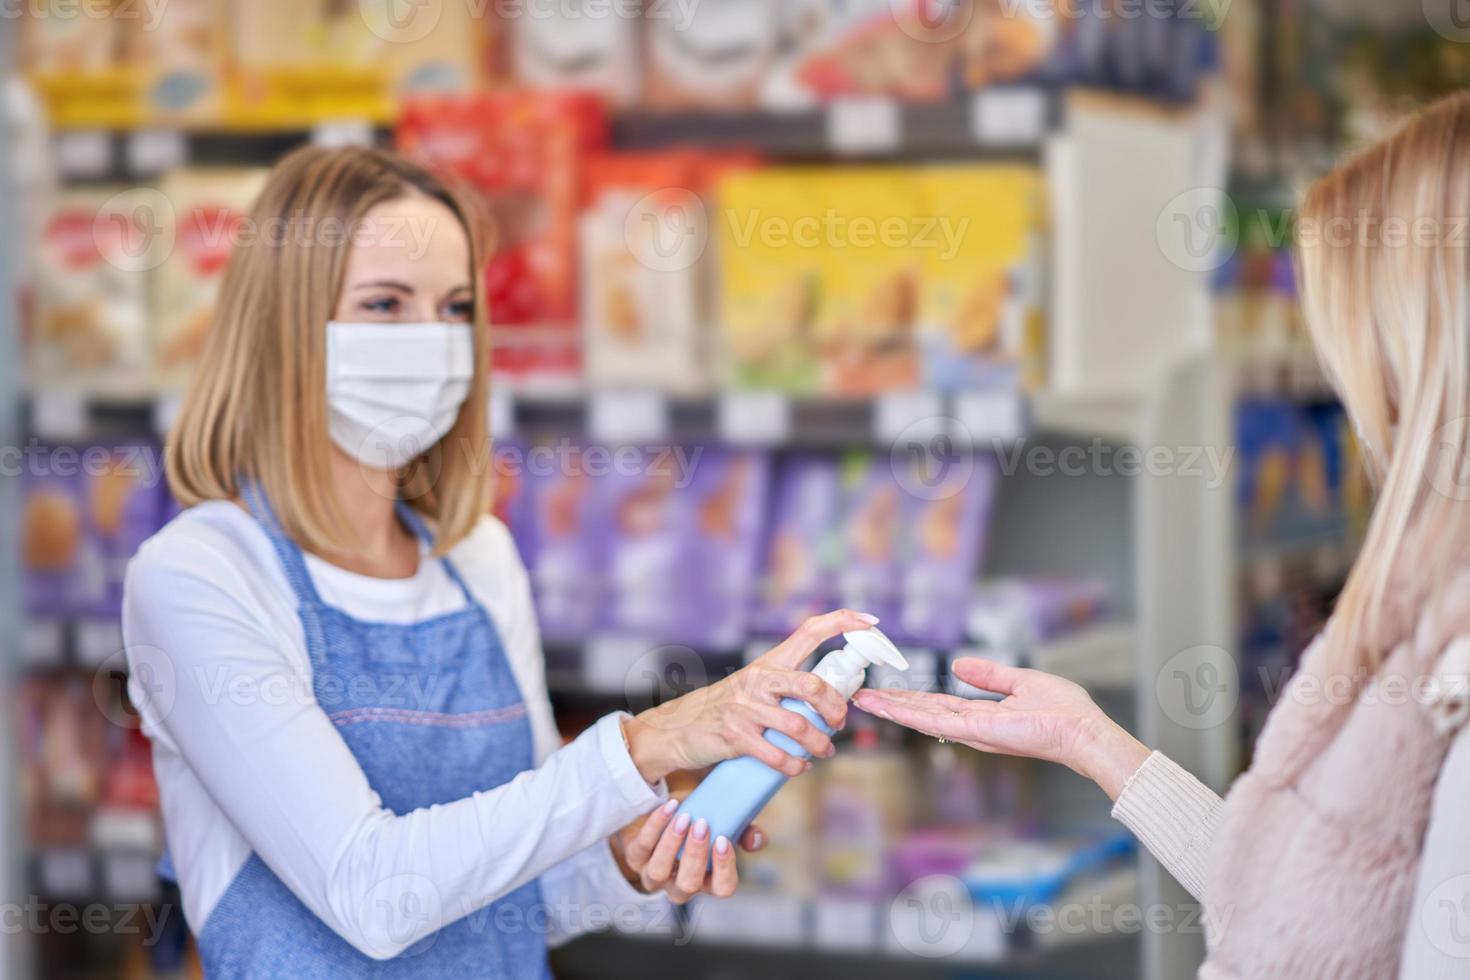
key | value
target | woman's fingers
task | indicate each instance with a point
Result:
(640, 848)
(724, 877)
(789, 723)
(987, 674)
(790, 653)
(693, 864)
(753, 743)
(660, 867)
(753, 839)
(813, 690)
(933, 714)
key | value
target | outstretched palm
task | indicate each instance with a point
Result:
(1041, 716)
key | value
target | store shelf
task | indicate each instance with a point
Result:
(103, 155)
(1008, 121)
(772, 419)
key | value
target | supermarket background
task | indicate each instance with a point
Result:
(977, 315)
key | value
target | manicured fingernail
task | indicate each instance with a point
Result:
(757, 839)
(831, 751)
(722, 845)
(807, 767)
(868, 618)
(701, 829)
(681, 824)
(671, 806)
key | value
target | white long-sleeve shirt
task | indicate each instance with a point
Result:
(246, 760)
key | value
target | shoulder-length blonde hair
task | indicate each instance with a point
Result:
(257, 408)
(1383, 257)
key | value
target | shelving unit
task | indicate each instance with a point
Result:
(1131, 369)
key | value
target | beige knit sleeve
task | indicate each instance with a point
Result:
(1174, 815)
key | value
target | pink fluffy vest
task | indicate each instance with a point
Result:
(1314, 869)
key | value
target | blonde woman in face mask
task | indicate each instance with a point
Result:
(1342, 852)
(334, 649)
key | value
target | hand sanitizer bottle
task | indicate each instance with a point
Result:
(737, 789)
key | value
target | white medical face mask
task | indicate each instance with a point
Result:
(394, 389)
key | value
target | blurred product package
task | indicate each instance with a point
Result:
(566, 553)
(1010, 616)
(592, 47)
(647, 268)
(90, 328)
(722, 512)
(85, 513)
(209, 213)
(642, 544)
(852, 282)
(981, 303)
(711, 56)
(527, 153)
(801, 550)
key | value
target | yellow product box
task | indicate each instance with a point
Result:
(771, 260)
(299, 63)
(871, 232)
(294, 63)
(63, 37)
(209, 219)
(981, 312)
(178, 54)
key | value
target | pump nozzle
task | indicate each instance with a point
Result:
(876, 648)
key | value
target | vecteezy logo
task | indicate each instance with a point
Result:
(401, 21)
(658, 677)
(1450, 19)
(1195, 230)
(933, 917)
(667, 230)
(1199, 687)
(147, 674)
(1449, 465)
(1445, 917)
(933, 458)
(932, 21)
(396, 910)
(134, 230)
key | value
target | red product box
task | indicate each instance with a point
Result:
(527, 153)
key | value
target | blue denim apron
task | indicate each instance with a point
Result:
(433, 714)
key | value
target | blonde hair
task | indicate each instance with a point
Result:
(256, 410)
(1384, 283)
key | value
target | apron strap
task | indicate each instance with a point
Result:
(288, 551)
(415, 522)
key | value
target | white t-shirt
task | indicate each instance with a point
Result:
(246, 760)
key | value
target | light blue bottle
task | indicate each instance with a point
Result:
(737, 789)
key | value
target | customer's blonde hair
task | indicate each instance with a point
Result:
(1383, 255)
(257, 409)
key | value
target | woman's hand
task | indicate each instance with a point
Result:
(729, 717)
(648, 855)
(1041, 716)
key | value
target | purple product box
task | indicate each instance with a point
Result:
(874, 505)
(801, 547)
(53, 544)
(511, 491)
(720, 516)
(945, 528)
(566, 562)
(642, 541)
(126, 502)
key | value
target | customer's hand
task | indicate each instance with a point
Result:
(729, 717)
(1041, 716)
(648, 855)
